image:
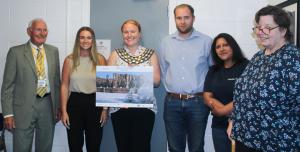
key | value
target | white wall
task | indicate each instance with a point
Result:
(275, 2)
(235, 17)
(64, 17)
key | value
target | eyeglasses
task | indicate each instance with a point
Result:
(265, 30)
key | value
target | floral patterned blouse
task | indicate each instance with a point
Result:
(266, 112)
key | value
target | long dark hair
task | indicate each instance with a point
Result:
(237, 54)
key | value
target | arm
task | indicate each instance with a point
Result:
(57, 86)
(162, 62)
(101, 60)
(216, 106)
(208, 99)
(208, 88)
(104, 113)
(222, 110)
(64, 91)
(7, 90)
(156, 69)
(229, 129)
(209, 55)
(112, 58)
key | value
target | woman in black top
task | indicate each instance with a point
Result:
(218, 87)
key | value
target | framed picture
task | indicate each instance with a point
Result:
(121, 86)
(292, 8)
(104, 47)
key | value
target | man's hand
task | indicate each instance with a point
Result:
(9, 123)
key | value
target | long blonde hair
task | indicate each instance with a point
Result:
(76, 49)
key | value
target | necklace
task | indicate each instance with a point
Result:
(125, 56)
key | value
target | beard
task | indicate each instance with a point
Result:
(186, 30)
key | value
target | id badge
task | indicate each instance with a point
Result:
(41, 83)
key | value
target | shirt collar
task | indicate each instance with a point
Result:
(193, 35)
(34, 46)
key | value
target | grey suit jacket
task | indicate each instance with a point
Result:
(18, 91)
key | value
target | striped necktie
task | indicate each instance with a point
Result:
(40, 68)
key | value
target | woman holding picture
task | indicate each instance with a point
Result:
(133, 126)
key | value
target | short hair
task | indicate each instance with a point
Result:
(281, 18)
(237, 54)
(35, 20)
(183, 6)
(132, 21)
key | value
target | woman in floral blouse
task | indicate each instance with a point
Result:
(266, 111)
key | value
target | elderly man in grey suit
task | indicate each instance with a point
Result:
(30, 91)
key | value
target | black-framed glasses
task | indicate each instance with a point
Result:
(265, 30)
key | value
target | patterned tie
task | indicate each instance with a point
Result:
(40, 68)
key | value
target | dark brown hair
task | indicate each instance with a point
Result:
(280, 17)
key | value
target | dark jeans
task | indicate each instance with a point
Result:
(185, 120)
(133, 129)
(221, 141)
(84, 121)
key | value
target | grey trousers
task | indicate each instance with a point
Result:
(41, 127)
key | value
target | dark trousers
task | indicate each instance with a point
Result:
(133, 129)
(240, 147)
(221, 141)
(84, 119)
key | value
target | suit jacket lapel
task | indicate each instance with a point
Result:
(28, 55)
(50, 59)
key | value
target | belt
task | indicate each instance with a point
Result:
(47, 94)
(184, 96)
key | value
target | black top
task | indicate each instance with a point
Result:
(220, 82)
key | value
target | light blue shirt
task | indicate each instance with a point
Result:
(185, 62)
